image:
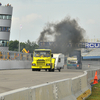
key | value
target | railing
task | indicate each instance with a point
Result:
(12, 55)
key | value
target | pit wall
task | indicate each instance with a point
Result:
(77, 88)
(14, 64)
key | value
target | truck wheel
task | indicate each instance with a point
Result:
(59, 70)
(80, 67)
(53, 70)
(63, 66)
(49, 70)
(45, 69)
(39, 70)
(32, 69)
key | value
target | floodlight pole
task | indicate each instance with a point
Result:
(19, 41)
(19, 35)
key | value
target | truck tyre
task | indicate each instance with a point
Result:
(59, 70)
(53, 70)
(45, 69)
(32, 69)
(49, 70)
(81, 67)
(63, 66)
(39, 69)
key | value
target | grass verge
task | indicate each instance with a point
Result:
(95, 92)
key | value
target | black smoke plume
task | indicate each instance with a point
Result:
(62, 34)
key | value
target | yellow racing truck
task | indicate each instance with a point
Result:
(43, 59)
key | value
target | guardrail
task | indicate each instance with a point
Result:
(12, 55)
(77, 88)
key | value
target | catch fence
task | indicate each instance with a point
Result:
(12, 55)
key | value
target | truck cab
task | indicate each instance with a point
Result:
(74, 60)
(42, 59)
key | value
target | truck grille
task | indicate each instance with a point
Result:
(40, 62)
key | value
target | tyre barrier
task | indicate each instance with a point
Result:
(77, 88)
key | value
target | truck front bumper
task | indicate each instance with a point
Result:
(40, 67)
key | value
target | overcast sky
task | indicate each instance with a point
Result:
(34, 14)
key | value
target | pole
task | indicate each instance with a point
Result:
(19, 35)
(19, 41)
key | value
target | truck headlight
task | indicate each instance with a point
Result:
(33, 64)
(47, 64)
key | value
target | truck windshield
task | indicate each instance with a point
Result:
(42, 54)
(72, 62)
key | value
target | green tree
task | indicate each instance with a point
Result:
(22, 45)
(31, 46)
(13, 45)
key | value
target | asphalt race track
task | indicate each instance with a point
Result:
(15, 79)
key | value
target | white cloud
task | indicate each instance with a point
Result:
(90, 21)
(29, 25)
(27, 20)
(15, 20)
(30, 18)
(33, 14)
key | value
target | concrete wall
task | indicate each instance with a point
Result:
(59, 90)
(80, 85)
(14, 64)
(19, 94)
(68, 89)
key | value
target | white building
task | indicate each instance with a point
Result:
(5, 26)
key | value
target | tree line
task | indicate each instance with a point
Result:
(14, 46)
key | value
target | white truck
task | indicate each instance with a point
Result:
(74, 60)
(59, 61)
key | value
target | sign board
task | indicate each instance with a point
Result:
(92, 45)
(48, 44)
(78, 45)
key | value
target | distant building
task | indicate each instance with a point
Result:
(5, 25)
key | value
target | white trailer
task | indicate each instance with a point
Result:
(59, 61)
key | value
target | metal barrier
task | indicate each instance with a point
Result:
(12, 55)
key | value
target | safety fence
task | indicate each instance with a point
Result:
(77, 88)
(12, 55)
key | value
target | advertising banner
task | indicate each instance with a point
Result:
(92, 45)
